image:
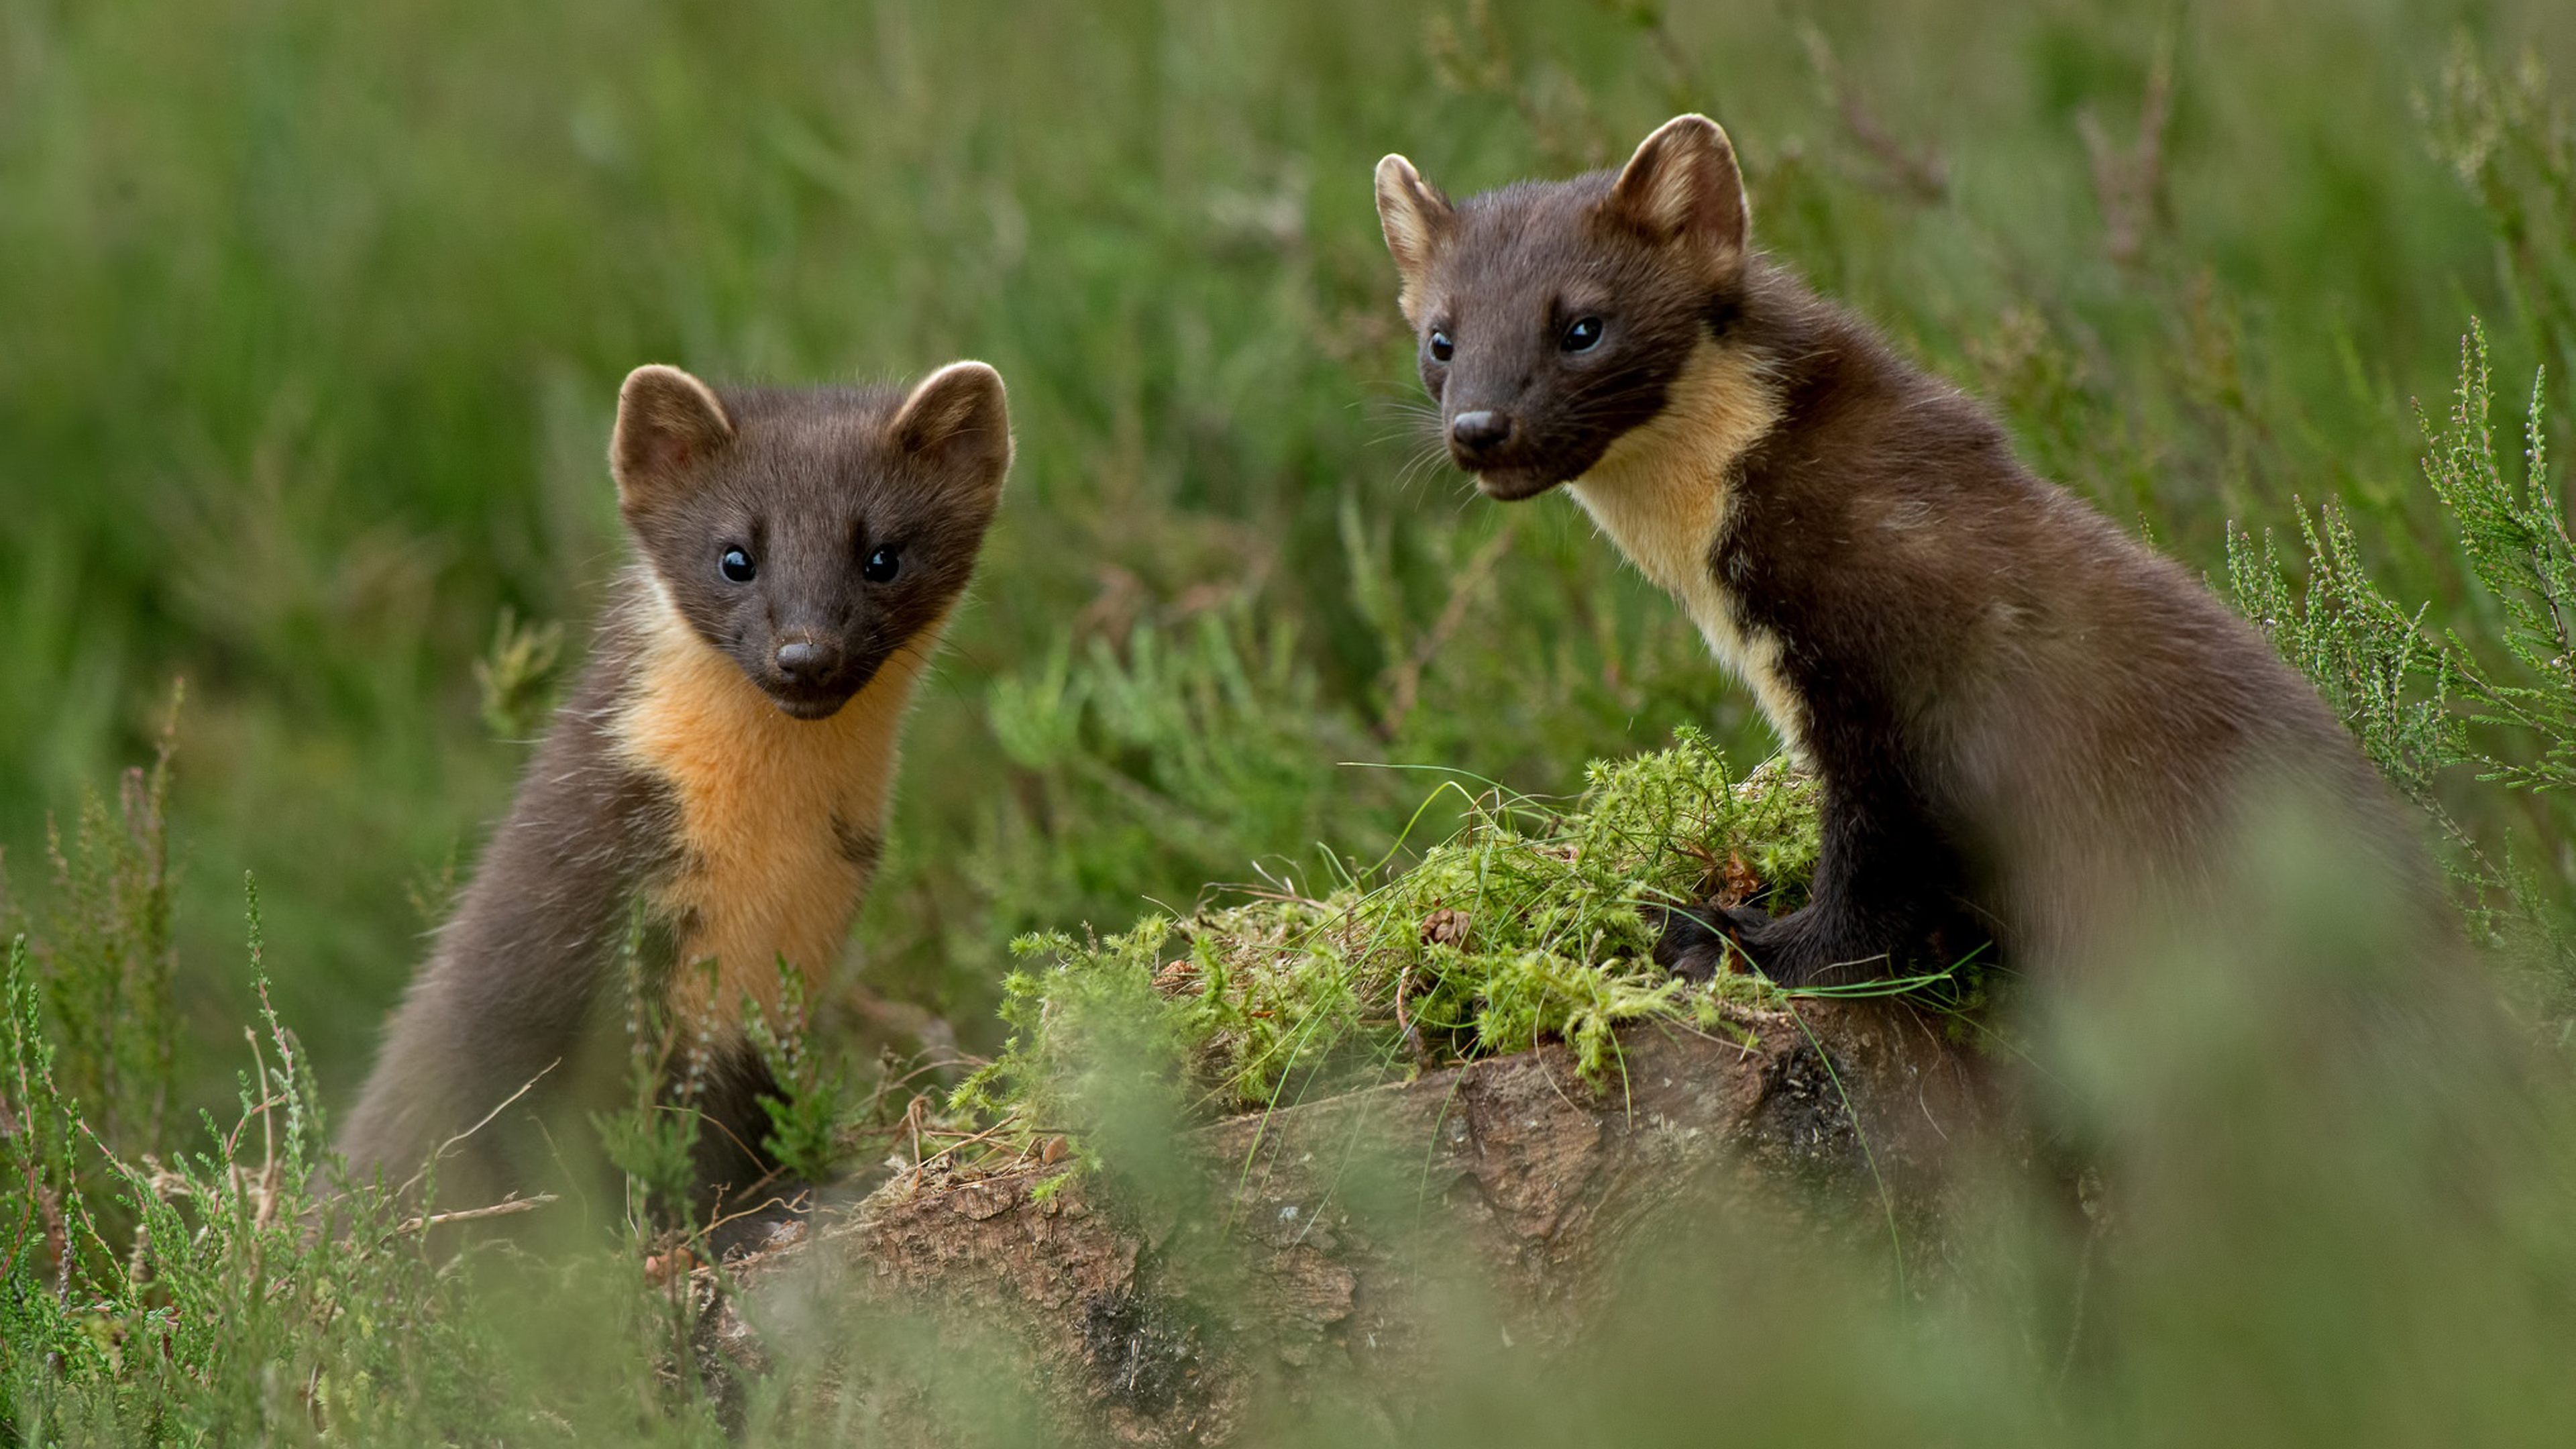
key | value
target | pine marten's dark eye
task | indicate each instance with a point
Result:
(737, 566)
(882, 566)
(1583, 336)
(1442, 349)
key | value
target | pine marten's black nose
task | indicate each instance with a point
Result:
(1480, 431)
(804, 661)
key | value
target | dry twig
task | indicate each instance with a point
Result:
(1922, 175)
(1404, 683)
(507, 1207)
(2128, 182)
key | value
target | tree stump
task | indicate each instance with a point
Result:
(1318, 1244)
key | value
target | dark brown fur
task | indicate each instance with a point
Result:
(525, 984)
(2026, 725)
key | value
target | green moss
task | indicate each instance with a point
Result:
(1524, 927)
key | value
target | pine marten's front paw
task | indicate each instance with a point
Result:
(1698, 940)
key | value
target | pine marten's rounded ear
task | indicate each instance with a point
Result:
(666, 421)
(959, 418)
(1683, 186)
(1416, 219)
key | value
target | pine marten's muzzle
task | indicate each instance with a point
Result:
(1495, 445)
(811, 675)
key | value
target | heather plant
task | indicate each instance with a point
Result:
(2509, 136)
(106, 967)
(2421, 701)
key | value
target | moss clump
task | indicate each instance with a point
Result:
(1525, 926)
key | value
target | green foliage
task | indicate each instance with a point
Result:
(1209, 748)
(2510, 137)
(2366, 656)
(651, 1136)
(516, 676)
(1093, 1046)
(39, 1125)
(106, 970)
(1526, 925)
(1202, 749)
(216, 1308)
(820, 1118)
(809, 1124)
(2515, 537)
(233, 1291)
(2419, 702)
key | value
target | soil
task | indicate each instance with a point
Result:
(1322, 1240)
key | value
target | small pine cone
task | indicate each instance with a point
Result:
(669, 1269)
(1445, 927)
(1736, 881)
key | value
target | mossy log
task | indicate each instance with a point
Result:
(1325, 1240)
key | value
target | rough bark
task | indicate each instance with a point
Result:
(1327, 1237)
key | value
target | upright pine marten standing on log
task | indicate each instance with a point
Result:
(721, 774)
(2026, 725)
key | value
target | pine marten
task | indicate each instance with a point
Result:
(2026, 726)
(717, 784)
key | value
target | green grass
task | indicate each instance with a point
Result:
(313, 321)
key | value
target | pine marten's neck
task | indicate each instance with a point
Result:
(1662, 493)
(779, 820)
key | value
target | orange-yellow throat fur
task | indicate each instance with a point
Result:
(1661, 493)
(765, 804)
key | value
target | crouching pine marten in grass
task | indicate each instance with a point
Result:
(717, 786)
(2028, 728)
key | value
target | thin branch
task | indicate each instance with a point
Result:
(1921, 174)
(502, 1106)
(507, 1207)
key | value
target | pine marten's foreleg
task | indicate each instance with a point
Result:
(743, 1192)
(1884, 902)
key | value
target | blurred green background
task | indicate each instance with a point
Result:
(312, 316)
